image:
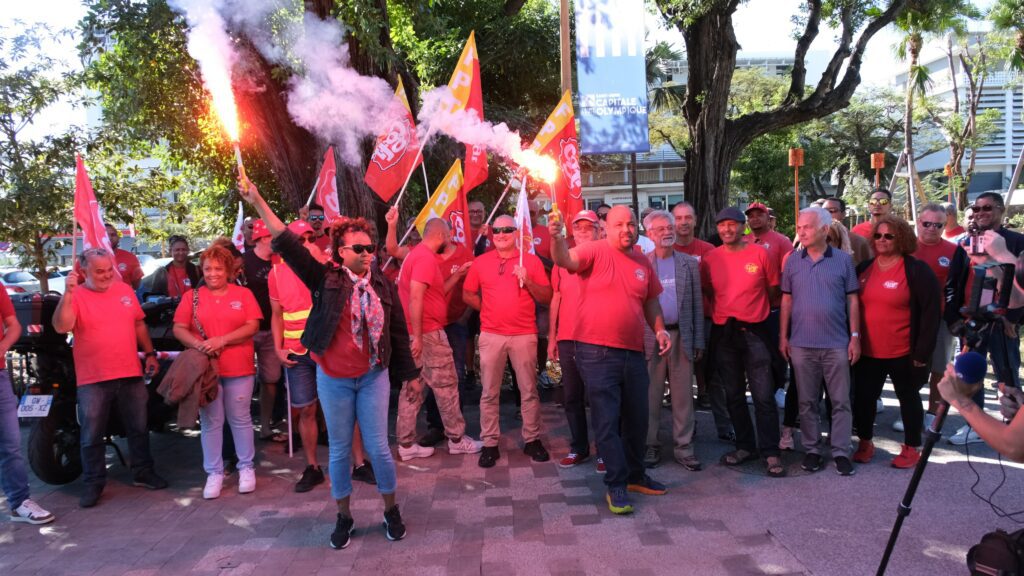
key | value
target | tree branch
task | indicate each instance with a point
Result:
(512, 7)
(799, 73)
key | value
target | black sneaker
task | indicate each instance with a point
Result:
(433, 437)
(91, 496)
(535, 450)
(364, 473)
(147, 478)
(311, 476)
(394, 528)
(342, 535)
(489, 456)
(844, 467)
(812, 462)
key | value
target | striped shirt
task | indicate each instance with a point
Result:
(819, 290)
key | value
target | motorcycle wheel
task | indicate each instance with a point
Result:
(54, 451)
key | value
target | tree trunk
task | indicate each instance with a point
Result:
(913, 180)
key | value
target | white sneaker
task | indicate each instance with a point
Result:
(897, 426)
(246, 480)
(786, 440)
(965, 435)
(416, 451)
(780, 398)
(31, 513)
(214, 482)
(465, 446)
(879, 406)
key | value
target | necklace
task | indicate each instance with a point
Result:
(886, 265)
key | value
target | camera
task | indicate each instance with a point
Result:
(977, 243)
(987, 303)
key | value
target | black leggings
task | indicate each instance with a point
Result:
(906, 379)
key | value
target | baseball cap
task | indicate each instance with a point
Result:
(588, 215)
(259, 230)
(730, 213)
(300, 227)
(757, 206)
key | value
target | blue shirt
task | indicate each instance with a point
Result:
(666, 269)
(819, 289)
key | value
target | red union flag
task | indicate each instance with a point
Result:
(468, 95)
(557, 139)
(396, 153)
(326, 191)
(449, 202)
(87, 213)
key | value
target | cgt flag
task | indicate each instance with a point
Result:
(326, 190)
(557, 139)
(87, 213)
(396, 153)
(449, 202)
(465, 87)
(238, 236)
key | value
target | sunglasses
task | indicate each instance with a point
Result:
(936, 225)
(505, 230)
(983, 208)
(317, 218)
(879, 202)
(360, 248)
(887, 236)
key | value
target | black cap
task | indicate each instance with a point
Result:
(730, 213)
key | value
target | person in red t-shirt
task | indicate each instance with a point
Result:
(879, 205)
(222, 326)
(741, 279)
(565, 303)
(953, 230)
(109, 329)
(127, 264)
(314, 216)
(899, 298)
(178, 276)
(505, 285)
(422, 289)
(15, 473)
(618, 293)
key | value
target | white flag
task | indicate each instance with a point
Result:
(522, 217)
(238, 237)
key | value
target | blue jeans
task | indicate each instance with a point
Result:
(616, 381)
(94, 401)
(573, 399)
(13, 475)
(234, 395)
(301, 380)
(345, 400)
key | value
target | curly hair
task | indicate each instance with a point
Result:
(218, 253)
(906, 241)
(345, 225)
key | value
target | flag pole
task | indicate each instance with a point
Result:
(409, 230)
(426, 184)
(502, 197)
(522, 190)
(419, 156)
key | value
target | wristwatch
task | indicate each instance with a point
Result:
(854, 334)
(665, 332)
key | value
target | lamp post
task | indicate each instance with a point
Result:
(796, 160)
(877, 163)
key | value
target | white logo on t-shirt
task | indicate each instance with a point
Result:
(122, 267)
(891, 284)
(125, 300)
(235, 305)
(187, 283)
(943, 261)
(640, 274)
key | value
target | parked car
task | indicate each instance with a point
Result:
(25, 280)
(57, 278)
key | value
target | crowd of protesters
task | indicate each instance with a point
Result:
(632, 325)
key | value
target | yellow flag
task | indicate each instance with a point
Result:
(446, 194)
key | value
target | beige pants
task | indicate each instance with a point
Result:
(437, 371)
(522, 351)
(678, 367)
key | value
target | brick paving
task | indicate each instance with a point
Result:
(522, 518)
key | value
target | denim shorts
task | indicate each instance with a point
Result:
(301, 380)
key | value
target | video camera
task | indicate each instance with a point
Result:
(987, 303)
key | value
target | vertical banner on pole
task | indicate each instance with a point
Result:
(612, 78)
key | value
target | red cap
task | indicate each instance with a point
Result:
(300, 227)
(259, 230)
(588, 215)
(756, 206)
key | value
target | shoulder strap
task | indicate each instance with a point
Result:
(195, 313)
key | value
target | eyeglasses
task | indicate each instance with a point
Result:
(983, 207)
(887, 236)
(505, 230)
(316, 218)
(936, 225)
(879, 202)
(360, 248)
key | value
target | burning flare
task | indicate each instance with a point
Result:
(539, 167)
(223, 100)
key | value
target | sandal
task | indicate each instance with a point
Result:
(737, 457)
(775, 467)
(278, 437)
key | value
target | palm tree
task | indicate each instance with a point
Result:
(923, 19)
(663, 96)
(1008, 16)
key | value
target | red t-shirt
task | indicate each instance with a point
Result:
(456, 306)
(105, 345)
(222, 315)
(885, 311)
(128, 266)
(952, 233)
(698, 248)
(6, 306)
(778, 247)
(614, 285)
(178, 281)
(323, 243)
(422, 265)
(567, 285)
(542, 241)
(506, 309)
(938, 257)
(739, 282)
(342, 359)
(295, 300)
(863, 229)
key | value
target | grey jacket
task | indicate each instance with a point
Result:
(691, 305)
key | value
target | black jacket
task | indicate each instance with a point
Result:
(331, 288)
(156, 283)
(924, 306)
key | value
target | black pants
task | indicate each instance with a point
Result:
(906, 379)
(744, 360)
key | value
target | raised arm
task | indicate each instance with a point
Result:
(560, 253)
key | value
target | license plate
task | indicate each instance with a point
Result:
(34, 405)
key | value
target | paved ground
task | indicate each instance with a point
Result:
(524, 518)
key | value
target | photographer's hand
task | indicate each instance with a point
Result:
(1010, 401)
(995, 247)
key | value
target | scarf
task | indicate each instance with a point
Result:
(365, 306)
